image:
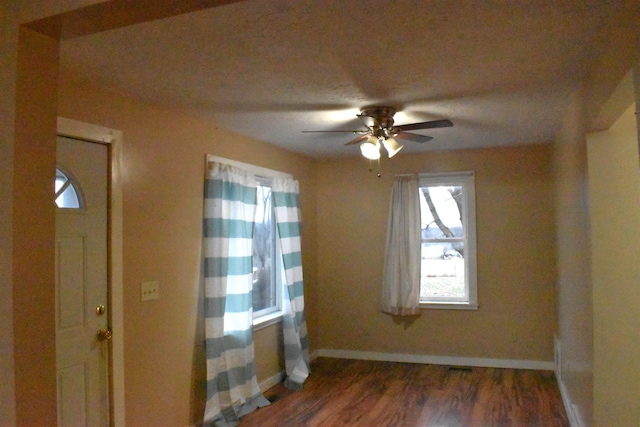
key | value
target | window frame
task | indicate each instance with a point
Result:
(266, 317)
(466, 180)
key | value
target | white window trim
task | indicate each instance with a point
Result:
(467, 180)
(271, 317)
(267, 320)
(445, 305)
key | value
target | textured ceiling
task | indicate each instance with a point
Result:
(501, 71)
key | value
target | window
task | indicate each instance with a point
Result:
(67, 191)
(267, 295)
(268, 275)
(448, 252)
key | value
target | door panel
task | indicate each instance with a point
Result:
(81, 285)
(70, 269)
(72, 394)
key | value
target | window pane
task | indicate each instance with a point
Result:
(264, 292)
(60, 180)
(68, 199)
(441, 208)
(448, 249)
(65, 190)
(442, 271)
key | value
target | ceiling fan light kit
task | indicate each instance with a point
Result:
(371, 148)
(392, 146)
(381, 131)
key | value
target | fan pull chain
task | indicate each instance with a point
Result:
(379, 175)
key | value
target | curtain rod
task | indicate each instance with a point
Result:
(264, 172)
(437, 173)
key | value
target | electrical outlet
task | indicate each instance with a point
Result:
(149, 291)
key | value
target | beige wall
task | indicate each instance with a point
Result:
(8, 47)
(163, 172)
(34, 229)
(516, 259)
(575, 318)
(614, 190)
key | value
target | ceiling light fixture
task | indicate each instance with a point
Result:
(392, 146)
(371, 148)
(381, 131)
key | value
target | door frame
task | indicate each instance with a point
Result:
(113, 139)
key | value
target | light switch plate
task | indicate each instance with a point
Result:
(149, 291)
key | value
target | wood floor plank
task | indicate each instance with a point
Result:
(342, 392)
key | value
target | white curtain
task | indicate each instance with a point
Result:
(229, 208)
(401, 279)
(294, 325)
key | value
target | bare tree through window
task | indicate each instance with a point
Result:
(264, 295)
(442, 266)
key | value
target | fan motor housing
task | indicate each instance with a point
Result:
(381, 115)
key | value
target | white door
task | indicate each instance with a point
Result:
(81, 284)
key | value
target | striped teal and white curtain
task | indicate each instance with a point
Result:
(229, 209)
(296, 346)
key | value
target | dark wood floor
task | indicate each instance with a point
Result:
(341, 392)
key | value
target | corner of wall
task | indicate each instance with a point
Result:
(573, 340)
(573, 410)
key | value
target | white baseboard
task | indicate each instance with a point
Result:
(436, 360)
(573, 411)
(271, 381)
(557, 357)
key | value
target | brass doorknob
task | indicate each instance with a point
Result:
(104, 334)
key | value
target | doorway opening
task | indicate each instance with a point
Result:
(112, 140)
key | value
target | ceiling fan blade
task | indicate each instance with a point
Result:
(357, 140)
(426, 125)
(367, 120)
(408, 136)
(326, 131)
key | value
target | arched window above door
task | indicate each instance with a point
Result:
(68, 194)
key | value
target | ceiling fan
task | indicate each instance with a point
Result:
(381, 131)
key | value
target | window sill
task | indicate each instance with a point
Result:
(267, 320)
(441, 305)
